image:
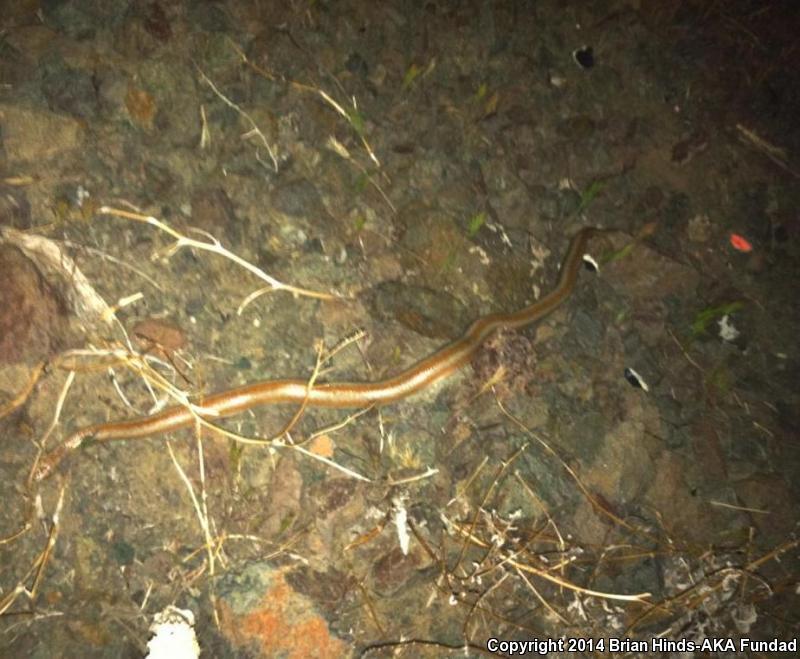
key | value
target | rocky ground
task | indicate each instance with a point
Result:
(411, 167)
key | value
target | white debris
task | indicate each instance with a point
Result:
(401, 523)
(727, 332)
(635, 379)
(173, 635)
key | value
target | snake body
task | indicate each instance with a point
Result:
(334, 394)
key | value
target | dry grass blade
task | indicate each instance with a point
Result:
(597, 505)
(469, 535)
(254, 129)
(19, 400)
(56, 416)
(48, 255)
(215, 247)
(37, 568)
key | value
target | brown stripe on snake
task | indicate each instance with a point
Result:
(334, 394)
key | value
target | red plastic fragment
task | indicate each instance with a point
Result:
(740, 243)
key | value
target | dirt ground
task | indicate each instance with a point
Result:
(200, 195)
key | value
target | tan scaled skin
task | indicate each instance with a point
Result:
(333, 394)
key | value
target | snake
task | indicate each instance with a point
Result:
(420, 375)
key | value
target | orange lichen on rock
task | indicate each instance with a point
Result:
(283, 624)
